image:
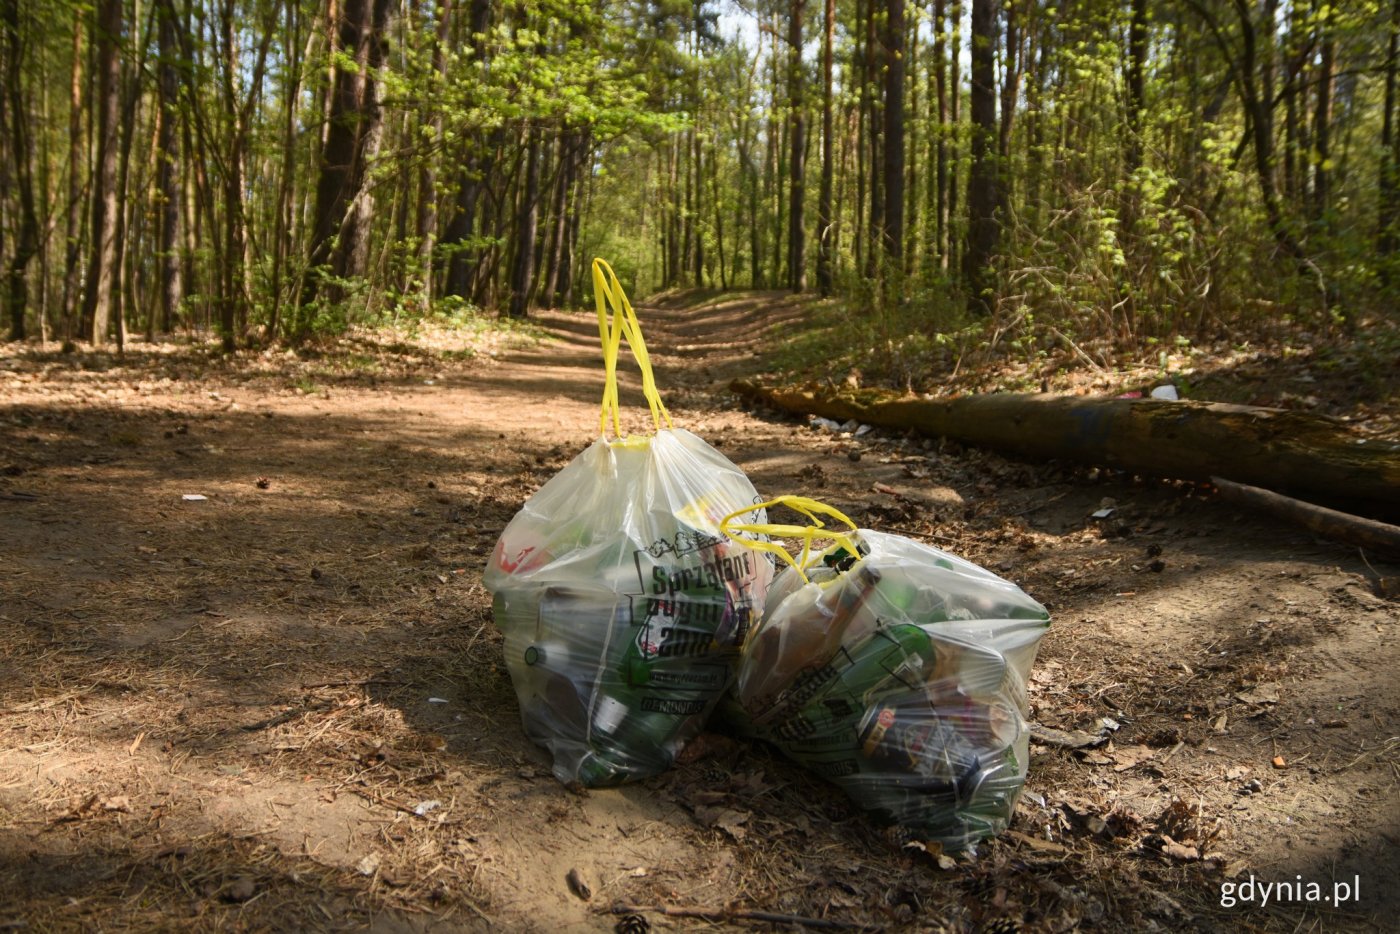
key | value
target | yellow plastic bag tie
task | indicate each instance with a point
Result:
(806, 506)
(612, 328)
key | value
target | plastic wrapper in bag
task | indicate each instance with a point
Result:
(622, 605)
(899, 673)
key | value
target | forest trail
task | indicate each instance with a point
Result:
(283, 706)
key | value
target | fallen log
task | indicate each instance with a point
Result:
(1380, 537)
(1292, 452)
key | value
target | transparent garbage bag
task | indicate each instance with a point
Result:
(897, 671)
(622, 605)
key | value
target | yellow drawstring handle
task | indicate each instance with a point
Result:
(806, 506)
(612, 329)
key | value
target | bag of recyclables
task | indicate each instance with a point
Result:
(895, 670)
(622, 605)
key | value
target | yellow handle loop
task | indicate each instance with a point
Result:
(806, 506)
(622, 323)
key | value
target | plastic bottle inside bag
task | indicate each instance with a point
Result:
(808, 632)
(825, 705)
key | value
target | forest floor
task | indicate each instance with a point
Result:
(282, 705)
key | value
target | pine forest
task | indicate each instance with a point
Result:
(274, 170)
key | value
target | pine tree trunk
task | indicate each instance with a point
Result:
(824, 218)
(982, 229)
(939, 68)
(797, 140)
(77, 173)
(522, 274)
(16, 291)
(952, 242)
(875, 68)
(719, 219)
(1386, 233)
(339, 237)
(1322, 132)
(893, 142)
(559, 217)
(915, 121)
(168, 185)
(462, 222)
(861, 72)
(697, 210)
(427, 218)
(103, 295)
(1010, 90)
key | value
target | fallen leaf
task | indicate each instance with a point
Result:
(1260, 694)
(706, 746)
(727, 819)
(1065, 739)
(1035, 842)
(1130, 756)
(1180, 851)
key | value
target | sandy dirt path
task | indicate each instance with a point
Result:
(282, 707)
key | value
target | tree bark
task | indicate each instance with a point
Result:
(427, 219)
(1295, 453)
(1386, 233)
(1322, 132)
(719, 218)
(336, 238)
(875, 65)
(1329, 523)
(169, 190)
(462, 224)
(893, 232)
(17, 282)
(824, 218)
(559, 219)
(952, 242)
(77, 172)
(982, 227)
(797, 142)
(103, 296)
(1136, 85)
(1010, 91)
(522, 275)
(939, 68)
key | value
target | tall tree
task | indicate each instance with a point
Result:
(982, 227)
(893, 142)
(77, 180)
(169, 191)
(797, 140)
(16, 292)
(339, 233)
(1322, 126)
(825, 234)
(1389, 181)
(102, 301)
(522, 275)
(938, 182)
(427, 220)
